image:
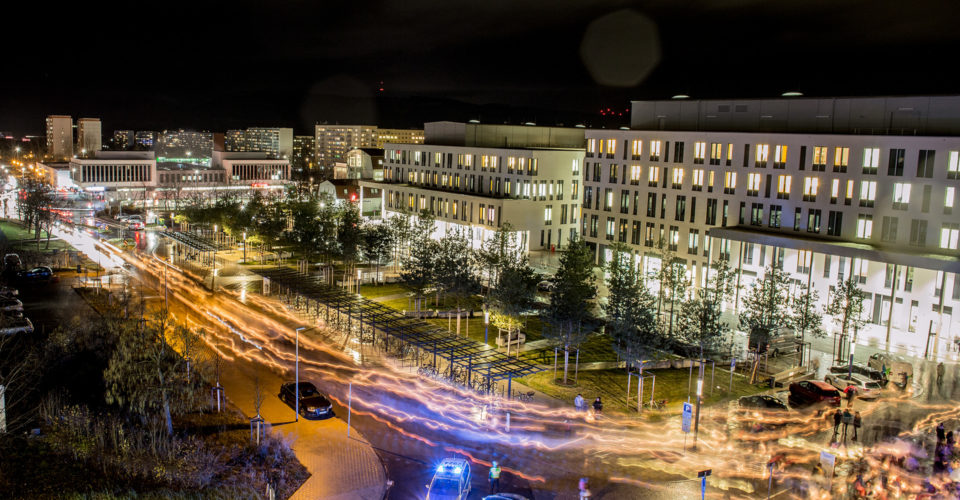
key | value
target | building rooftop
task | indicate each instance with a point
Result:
(893, 115)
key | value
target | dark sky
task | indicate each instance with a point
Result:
(154, 65)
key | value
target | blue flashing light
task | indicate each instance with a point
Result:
(456, 470)
(440, 469)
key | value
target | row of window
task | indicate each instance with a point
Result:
(466, 161)
(765, 154)
(115, 173)
(496, 186)
(784, 184)
(464, 211)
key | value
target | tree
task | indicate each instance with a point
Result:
(270, 226)
(377, 244)
(418, 266)
(765, 308)
(328, 217)
(455, 269)
(631, 311)
(512, 294)
(498, 251)
(673, 283)
(399, 225)
(699, 322)
(846, 306)
(570, 316)
(146, 376)
(349, 239)
(805, 316)
(305, 231)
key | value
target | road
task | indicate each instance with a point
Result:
(414, 422)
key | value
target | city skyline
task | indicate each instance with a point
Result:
(534, 64)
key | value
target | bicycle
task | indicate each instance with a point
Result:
(524, 397)
(658, 404)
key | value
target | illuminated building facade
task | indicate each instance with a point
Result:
(89, 137)
(59, 137)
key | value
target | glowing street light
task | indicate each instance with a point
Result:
(486, 323)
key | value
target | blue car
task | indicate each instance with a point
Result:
(40, 274)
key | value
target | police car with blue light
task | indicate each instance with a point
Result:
(451, 481)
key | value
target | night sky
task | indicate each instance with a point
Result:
(155, 65)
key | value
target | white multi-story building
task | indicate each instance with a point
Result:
(333, 142)
(116, 174)
(59, 137)
(398, 136)
(185, 145)
(823, 188)
(89, 136)
(479, 177)
(252, 169)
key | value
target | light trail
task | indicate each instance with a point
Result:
(419, 408)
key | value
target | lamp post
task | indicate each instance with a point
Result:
(296, 393)
(696, 424)
(853, 346)
(244, 247)
(359, 277)
(486, 324)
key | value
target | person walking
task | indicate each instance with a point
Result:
(837, 417)
(850, 390)
(857, 422)
(494, 477)
(584, 490)
(940, 373)
(847, 420)
(598, 406)
(941, 433)
(579, 403)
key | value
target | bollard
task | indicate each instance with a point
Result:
(508, 421)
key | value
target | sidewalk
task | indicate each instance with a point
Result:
(340, 468)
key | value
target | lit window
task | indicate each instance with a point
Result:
(608, 202)
(655, 150)
(948, 197)
(635, 174)
(699, 152)
(868, 193)
(677, 178)
(953, 165)
(763, 152)
(871, 158)
(548, 215)
(819, 158)
(840, 157)
(729, 153)
(901, 195)
(698, 179)
(653, 176)
(637, 149)
(729, 182)
(753, 184)
(716, 152)
(864, 226)
(780, 156)
(834, 190)
(849, 195)
(810, 187)
(591, 146)
(611, 146)
(783, 187)
(949, 235)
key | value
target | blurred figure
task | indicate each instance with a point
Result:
(857, 422)
(940, 373)
(597, 406)
(579, 403)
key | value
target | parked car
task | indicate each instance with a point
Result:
(12, 260)
(312, 403)
(761, 402)
(810, 392)
(135, 225)
(896, 365)
(861, 387)
(8, 291)
(545, 286)
(39, 274)
(451, 481)
(859, 369)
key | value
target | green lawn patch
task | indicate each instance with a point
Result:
(14, 231)
(373, 291)
(611, 385)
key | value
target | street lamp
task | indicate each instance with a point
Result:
(244, 247)
(486, 324)
(853, 346)
(696, 424)
(359, 277)
(296, 394)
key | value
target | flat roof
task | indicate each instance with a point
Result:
(800, 241)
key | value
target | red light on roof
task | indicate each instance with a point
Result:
(353, 197)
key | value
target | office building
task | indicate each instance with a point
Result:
(824, 189)
(476, 178)
(361, 163)
(123, 140)
(116, 175)
(304, 149)
(89, 137)
(59, 137)
(276, 142)
(186, 146)
(398, 136)
(145, 140)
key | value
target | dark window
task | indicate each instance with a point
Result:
(888, 230)
(663, 206)
(678, 152)
(925, 200)
(711, 212)
(803, 157)
(651, 204)
(743, 210)
(635, 235)
(693, 209)
(624, 201)
(813, 220)
(925, 163)
(746, 154)
(776, 213)
(796, 219)
(756, 214)
(681, 208)
(834, 223)
(895, 166)
(918, 233)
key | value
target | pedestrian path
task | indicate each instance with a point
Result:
(340, 468)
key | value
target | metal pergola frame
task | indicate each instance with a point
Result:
(473, 356)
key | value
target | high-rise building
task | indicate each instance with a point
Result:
(826, 190)
(399, 136)
(304, 148)
(89, 137)
(476, 178)
(185, 145)
(145, 140)
(275, 141)
(59, 137)
(333, 142)
(123, 140)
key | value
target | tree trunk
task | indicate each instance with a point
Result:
(566, 362)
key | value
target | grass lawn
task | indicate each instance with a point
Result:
(374, 291)
(611, 385)
(14, 231)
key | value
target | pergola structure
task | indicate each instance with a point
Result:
(480, 365)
